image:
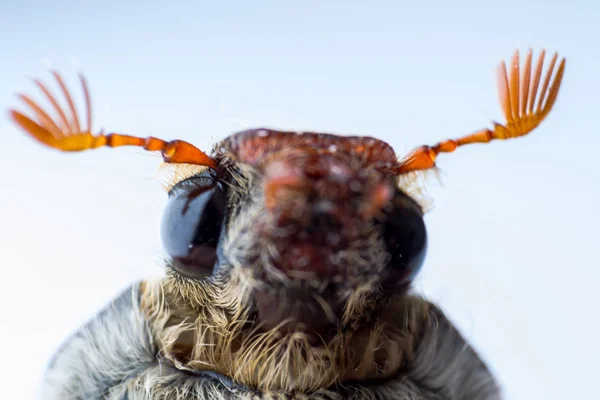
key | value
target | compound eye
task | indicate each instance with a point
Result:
(191, 225)
(405, 238)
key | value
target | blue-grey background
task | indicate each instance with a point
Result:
(513, 254)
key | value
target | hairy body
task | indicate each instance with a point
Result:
(119, 355)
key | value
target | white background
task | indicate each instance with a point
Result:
(513, 255)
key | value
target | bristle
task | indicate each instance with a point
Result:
(525, 82)
(169, 174)
(546, 83)
(38, 132)
(74, 121)
(42, 117)
(415, 183)
(504, 92)
(65, 125)
(88, 103)
(268, 360)
(514, 85)
(536, 80)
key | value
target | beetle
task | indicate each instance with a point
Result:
(289, 258)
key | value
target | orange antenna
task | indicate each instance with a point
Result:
(517, 98)
(66, 133)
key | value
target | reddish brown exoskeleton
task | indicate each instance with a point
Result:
(289, 259)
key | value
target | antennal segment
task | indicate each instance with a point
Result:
(517, 94)
(65, 132)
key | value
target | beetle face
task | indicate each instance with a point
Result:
(307, 219)
(291, 249)
(289, 257)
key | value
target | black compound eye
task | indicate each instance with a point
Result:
(406, 241)
(191, 225)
